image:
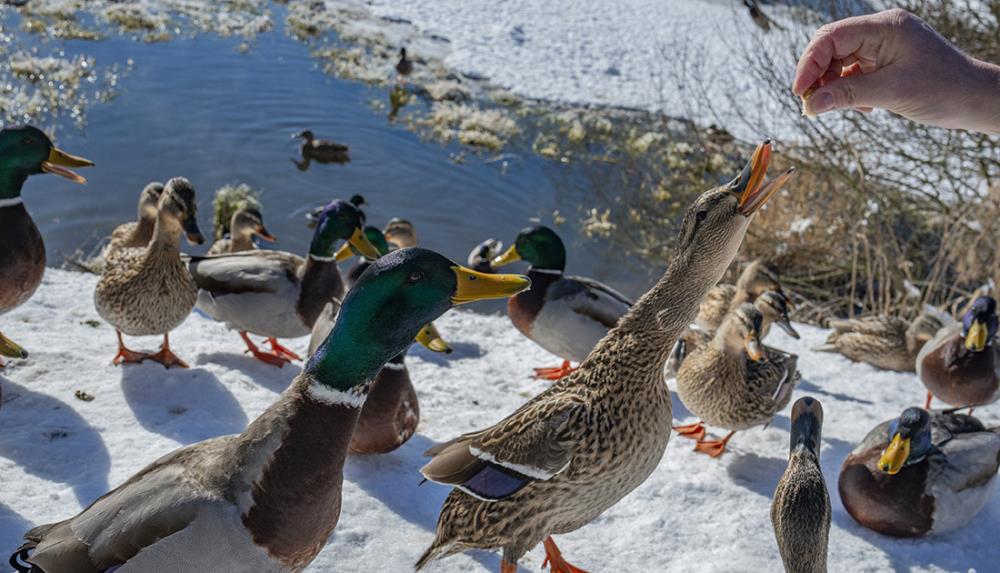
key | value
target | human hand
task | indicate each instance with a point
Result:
(895, 61)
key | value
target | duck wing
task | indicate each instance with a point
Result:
(591, 298)
(532, 444)
(257, 271)
(971, 458)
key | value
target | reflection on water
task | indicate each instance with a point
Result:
(202, 108)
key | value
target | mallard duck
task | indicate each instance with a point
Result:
(565, 315)
(404, 66)
(482, 255)
(800, 509)
(734, 381)
(277, 294)
(772, 305)
(885, 342)
(246, 224)
(921, 473)
(576, 449)
(391, 413)
(758, 277)
(961, 364)
(322, 150)
(265, 500)
(147, 290)
(357, 200)
(138, 233)
(400, 233)
(25, 151)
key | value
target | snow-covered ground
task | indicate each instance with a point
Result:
(57, 453)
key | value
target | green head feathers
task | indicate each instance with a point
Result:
(339, 221)
(540, 246)
(26, 151)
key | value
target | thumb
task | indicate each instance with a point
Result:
(855, 91)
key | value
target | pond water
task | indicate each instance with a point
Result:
(201, 108)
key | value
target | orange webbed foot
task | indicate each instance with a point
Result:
(555, 561)
(554, 373)
(714, 448)
(265, 357)
(166, 357)
(126, 356)
(282, 351)
(692, 431)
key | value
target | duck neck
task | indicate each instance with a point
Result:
(166, 235)
(241, 241)
(321, 283)
(11, 182)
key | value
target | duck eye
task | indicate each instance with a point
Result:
(701, 216)
(414, 276)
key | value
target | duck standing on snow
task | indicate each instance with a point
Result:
(885, 342)
(772, 305)
(404, 67)
(565, 315)
(132, 234)
(734, 381)
(961, 365)
(923, 473)
(24, 151)
(391, 413)
(321, 150)
(757, 278)
(576, 449)
(800, 509)
(277, 294)
(246, 224)
(268, 499)
(147, 291)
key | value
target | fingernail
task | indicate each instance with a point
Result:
(820, 102)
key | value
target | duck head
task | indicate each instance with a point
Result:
(401, 233)
(305, 134)
(714, 226)
(340, 221)
(392, 302)
(774, 306)
(740, 332)
(178, 207)
(979, 325)
(249, 222)
(26, 151)
(807, 425)
(149, 200)
(538, 245)
(374, 236)
(909, 441)
(760, 277)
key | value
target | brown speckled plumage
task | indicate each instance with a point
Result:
(148, 290)
(721, 385)
(885, 342)
(599, 432)
(758, 277)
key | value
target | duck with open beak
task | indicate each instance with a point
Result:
(753, 193)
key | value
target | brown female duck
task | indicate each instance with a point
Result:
(268, 499)
(147, 290)
(246, 224)
(734, 381)
(923, 473)
(961, 365)
(885, 342)
(576, 449)
(24, 151)
(800, 509)
(757, 278)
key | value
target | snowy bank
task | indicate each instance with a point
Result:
(694, 514)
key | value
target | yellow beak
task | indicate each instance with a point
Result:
(975, 340)
(362, 244)
(472, 285)
(895, 455)
(429, 337)
(10, 348)
(510, 256)
(59, 161)
(754, 349)
(343, 253)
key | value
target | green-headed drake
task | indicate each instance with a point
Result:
(392, 411)
(146, 291)
(24, 151)
(565, 315)
(570, 453)
(961, 364)
(268, 499)
(800, 508)
(885, 342)
(923, 473)
(277, 294)
(734, 381)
